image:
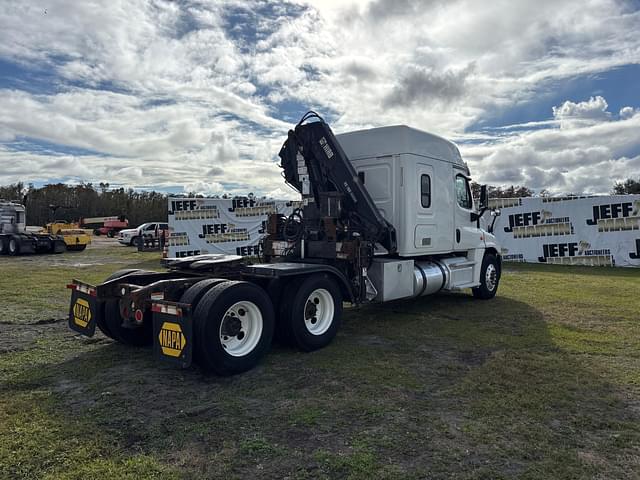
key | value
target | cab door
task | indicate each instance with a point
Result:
(431, 232)
(466, 235)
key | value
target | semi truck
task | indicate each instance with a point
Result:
(386, 215)
(16, 240)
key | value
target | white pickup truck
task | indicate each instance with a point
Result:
(130, 236)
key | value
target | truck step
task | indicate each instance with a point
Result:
(455, 266)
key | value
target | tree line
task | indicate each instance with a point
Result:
(71, 202)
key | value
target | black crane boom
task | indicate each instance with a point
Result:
(315, 164)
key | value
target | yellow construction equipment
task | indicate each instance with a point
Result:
(74, 237)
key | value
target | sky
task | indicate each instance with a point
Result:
(198, 96)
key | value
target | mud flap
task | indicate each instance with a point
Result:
(84, 308)
(172, 332)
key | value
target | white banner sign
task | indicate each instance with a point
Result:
(215, 225)
(598, 231)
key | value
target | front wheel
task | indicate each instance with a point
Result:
(233, 326)
(489, 278)
(110, 233)
(312, 318)
(134, 242)
(14, 246)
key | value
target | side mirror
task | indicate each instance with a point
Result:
(484, 203)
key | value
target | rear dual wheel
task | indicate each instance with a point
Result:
(138, 336)
(311, 319)
(233, 327)
(111, 323)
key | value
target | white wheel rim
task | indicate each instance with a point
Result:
(241, 328)
(318, 311)
(491, 277)
(12, 245)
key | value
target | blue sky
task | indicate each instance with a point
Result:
(198, 96)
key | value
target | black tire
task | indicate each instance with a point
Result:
(196, 291)
(110, 233)
(96, 232)
(102, 323)
(134, 242)
(3, 246)
(137, 336)
(208, 323)
(58, 246)
(489, 278)
(298, 314)
(122, 273)
(193, 295)
(13, 245)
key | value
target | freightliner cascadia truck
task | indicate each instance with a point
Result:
(386, 214)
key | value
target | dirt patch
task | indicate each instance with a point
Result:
(22, 337)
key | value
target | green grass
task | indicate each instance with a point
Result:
(541, 382)
(38, 282)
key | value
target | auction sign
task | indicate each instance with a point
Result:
(596, 231)
(217, 225)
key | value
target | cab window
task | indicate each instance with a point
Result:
(425, 191)
(463, 192)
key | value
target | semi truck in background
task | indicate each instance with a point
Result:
(16, 240)
(387, 214)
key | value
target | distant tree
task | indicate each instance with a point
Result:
(71, 202)
(499, 192)
(628, 186)
(14, 192)
(515, 192)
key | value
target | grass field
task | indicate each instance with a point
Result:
(542, 382)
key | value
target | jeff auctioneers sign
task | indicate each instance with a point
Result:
(215, 225)
(598, 231)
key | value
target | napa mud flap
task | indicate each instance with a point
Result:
(172, 332)
(84, 308)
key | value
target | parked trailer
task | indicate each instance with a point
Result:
(16, 240)
(387, 214)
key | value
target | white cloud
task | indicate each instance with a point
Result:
(591, 111)
(628, 112)
(205, 188)
(580, 157)
(170, 94)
